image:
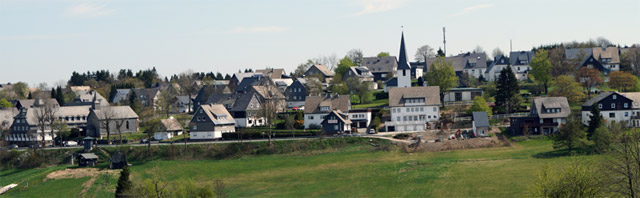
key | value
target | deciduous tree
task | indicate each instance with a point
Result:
(424, 52)
(569, 136)
(541, 69)
(622, 81)
(589, 78)
(442, 74)
(479, 104)
(383, 54)
(566, 86)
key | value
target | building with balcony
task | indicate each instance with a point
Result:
(413, 108)
(546, 116)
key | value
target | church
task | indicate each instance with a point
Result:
(403, 71)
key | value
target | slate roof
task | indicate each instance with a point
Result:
(498, 60)
(552, 102)
(516, 57)
(214, 112)
(380, 64)
(263, 91)
(119, 112)
(480, 118)
(393, 82)
(431, 95)
(240, 76)
(121, 94)
(325, 71)
(208, 90)
(28, 103)
(572, 53)
(341, 116)
(171, 124)
(247, 83)
(86, 98)
(590, 60)
(183, 99)
(403, 62)
(464, 61)
(597, 98)
(238, 102)
(336, 102)
(64, 111)
(147, 93)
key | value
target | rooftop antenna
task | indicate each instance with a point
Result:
(444, 41)
(510, 45)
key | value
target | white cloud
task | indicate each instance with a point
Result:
(258, 29)
(472, 8)
(90, 10)
(38, 37)
(373, 6)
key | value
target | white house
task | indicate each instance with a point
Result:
(462, 94)
(499, 63)
(318, 107)
(360, 118)
(480, 123)
(520, 63)
(413, 108)
(169, 129)
(613, 106)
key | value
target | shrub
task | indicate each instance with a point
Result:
(381, 95)
(314, 126)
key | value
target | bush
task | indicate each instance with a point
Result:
(402, 136)
(381, 95)
(314, 126)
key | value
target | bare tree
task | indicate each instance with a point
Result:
(496, 52)
(424, 52)
(119, 123)
(166, 99)
(355, 55)
(60, 126)
(45, 116)
(108, 117)
(188, 86)
(269, 108)
(330, 61)
(624, 164)
(314, 86)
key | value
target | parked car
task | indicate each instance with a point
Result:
(13, 146)
(71, 143)
(371, 131)
(300, 108)
(144, 141)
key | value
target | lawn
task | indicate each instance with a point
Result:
(375, 103)
(354, 171)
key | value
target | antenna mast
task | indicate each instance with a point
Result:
(444, 41)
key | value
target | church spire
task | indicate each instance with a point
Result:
(403, 62)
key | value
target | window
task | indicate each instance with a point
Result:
(310, 117)
(127, 124)
(198, 118)
(626, 114)
(204, 118)
(398, 118)
(614, 96)
(613, 105)
(404, 72)
(195, 127)
(435, 109)
(612, 115)
(626, 105)
(599, 106)
(335, 127)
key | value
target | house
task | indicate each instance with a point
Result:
(25, 128)
(269, 93)
(613, 107)
(499, 63)
(87, 159)
(114, 119)
(318, 107)
(412, 108)
(295, 94)
(282, 83)
(546, 116)
(243, 107)
(591, 62)
(169, 129)
(237, 78)
(336, 122)
(362, 74)
(148, 97)
(321, 72)
(206, 91)
(360, 118)
(183, 104)
(121, 95)
(520, 63)
(257, 80)
(609, 57)
(418, 69)
(6, 117)
(462, 94)
(273, 73)
(474, 64)
(88, 98)
(28, 103)
(480, 123)
(635, 117)
(403, 72)
(382, 68)
(210, 121)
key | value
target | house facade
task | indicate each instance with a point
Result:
(480, 123)
(547, 115)
(336, 122)
(360, 118)
(321, 72)
(462, 94)
(210, 121)
(114, 119)
(499, 63)
(295, 94)
(25, 128)
(413, 108)
(170, 128)
(243, 107)
(520, 63)
(382, 68)
(318, 107)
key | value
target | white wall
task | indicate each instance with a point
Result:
(619, 116)
(203, 135)
(316, 119)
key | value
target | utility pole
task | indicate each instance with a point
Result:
(444, 41)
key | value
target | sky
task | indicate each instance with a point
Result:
(46, 40)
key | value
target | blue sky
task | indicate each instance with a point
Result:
(44, 41)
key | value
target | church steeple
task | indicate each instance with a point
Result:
(403, 63)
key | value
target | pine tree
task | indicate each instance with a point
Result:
(112, 93)
(595, 120)
(30, 96)
(124, 184)
(59, 96)
(53, 92)
(133, 101)
(507, 89)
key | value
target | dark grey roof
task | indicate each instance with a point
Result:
(572, 53)
(403, 62)
(498, 60)
(552, 103)
(597, 98)
(516, 57)
(464, 61)
(393, 82)
(590, 60)
(380, 64)
(272, 73)
(360, 72)
(183, 99)
(247, 83)
(480, 118)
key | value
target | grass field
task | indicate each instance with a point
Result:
(353, 171)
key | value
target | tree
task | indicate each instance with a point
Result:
(623, 165)
(188, 86)
(560, 66)
(108, 116)
(579, 179)
(479, 104)
(59, 96)
(269, 108)
(570, 136)
(45, 116)
(566, 86)
(314, 86)
(507, 90)
(343, 66)
(541, 69)
(21, 89)
(478, 49)
(589, 78)
(383, 54)
(124, 184)
(166, 99)
(112, 93)
(355, 55)
(303, 67)
(134, 103)
(424, 52)
(622, 81)
(5, 104)
(604, 137)
(631, 60)
(61, 127)
(440, 53)
(442, 74)
(595, 120)
(496, 52)
(219, 76)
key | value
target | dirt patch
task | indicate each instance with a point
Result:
(455, 145)
(76, 173)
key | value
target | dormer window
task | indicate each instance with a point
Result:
(614, 97)
(324, 108)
